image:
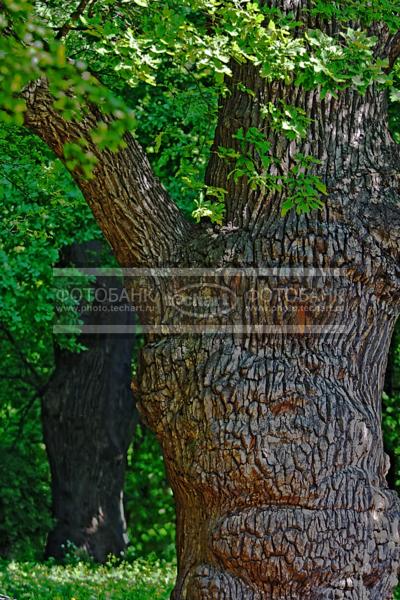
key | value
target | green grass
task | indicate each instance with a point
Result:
(139, 580)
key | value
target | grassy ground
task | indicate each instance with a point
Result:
(140, 580)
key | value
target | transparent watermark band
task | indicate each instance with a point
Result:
(273, 300)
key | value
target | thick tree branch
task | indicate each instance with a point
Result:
(132, 208)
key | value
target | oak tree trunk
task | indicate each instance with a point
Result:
(88, 420)
(269, 414)
(272, 440)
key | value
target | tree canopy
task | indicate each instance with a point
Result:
(112, 54)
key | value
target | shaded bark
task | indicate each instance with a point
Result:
(270, 420)
(88, 417)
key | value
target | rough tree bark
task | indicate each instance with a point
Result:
(88, 417)
(272, 438)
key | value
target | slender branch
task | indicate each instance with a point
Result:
(132, 208)
(24, 382)
(37, 384)
(24, 412)
(75, 16)
(72, 28)
(18, 186)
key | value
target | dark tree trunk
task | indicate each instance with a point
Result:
(88, 417)
(269, 418)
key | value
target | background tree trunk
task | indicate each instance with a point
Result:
(88, 418)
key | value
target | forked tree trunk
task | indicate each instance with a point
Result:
(269, 414)
(88, 421)
(273, 440)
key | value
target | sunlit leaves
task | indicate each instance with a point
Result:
(287, 119)
(302, 189)
(335, 64)
(305, 190)
(126, 45)
(212, 209)
(365, 13)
